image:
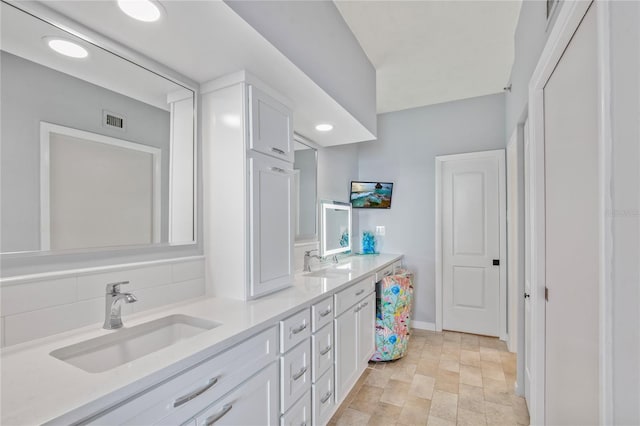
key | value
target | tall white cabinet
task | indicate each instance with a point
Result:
(248, 171)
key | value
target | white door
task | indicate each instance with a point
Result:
(472, 210)
(528, 193)
(571, 236)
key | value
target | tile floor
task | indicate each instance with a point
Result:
(444, 379)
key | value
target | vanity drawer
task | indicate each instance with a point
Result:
(195, 388)
(349, 297)
(295, 373)
(385, 272)
(323, 399)
(294, 330)
(300, 413)
(322, 349)
(321, 313)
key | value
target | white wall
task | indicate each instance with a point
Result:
(408, 142)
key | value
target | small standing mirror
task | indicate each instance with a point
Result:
(335, 228)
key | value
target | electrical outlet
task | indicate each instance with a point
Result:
(380, 230)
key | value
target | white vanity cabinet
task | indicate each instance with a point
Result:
(248, 191)
(354, 326)
(270, 126)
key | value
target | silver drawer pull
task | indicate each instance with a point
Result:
(386, 274)
(300, 373)
(225, 409)
(325, 350)
(278, 169)
(357, 308)
(299, 329)
(186, 398)
(364, 304)
(359, 292)
(277, 151)
(325, 313)
(326, 397)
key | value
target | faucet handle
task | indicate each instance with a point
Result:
(113, 288)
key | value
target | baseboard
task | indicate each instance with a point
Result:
(423, 325)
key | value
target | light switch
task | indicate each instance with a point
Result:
(380, 230)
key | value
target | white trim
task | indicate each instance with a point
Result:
(514, 243)
(568, 21)
(423, 325)
(45, 168)
(499, 154)
(20, 279)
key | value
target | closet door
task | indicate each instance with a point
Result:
(571, 192)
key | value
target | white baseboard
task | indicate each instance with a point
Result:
(422, 325)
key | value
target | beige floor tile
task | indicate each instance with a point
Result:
(387, 410)
(470, 418)
(353, 417)
(403, 372)
(498, 414)
(447, 381)
(500, 385)
(422, 386)
(520, 410)
(492, 370)
(471, 398)
(414, 412)
(444, 405)
(428, 367)
(377, 365)
(470, 375)
(470, 358)
(436, 421)
(449, 365)
(381, 421)
(395, 392)
(490, 355)
(452, 336)
(367, 398)
(379, 378)
(497, 396)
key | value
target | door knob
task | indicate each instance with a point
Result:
(526, 295)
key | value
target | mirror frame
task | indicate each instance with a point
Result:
(326, 205)
(309, 238)
(14, 264)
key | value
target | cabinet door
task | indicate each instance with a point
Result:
(271, 127)
(271, 225)
(366, 329)
(255, 402)
(347, 359)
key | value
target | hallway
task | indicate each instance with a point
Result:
(446, 378)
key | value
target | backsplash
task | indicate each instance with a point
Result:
(41, 305)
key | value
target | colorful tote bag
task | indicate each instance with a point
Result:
(393, 314)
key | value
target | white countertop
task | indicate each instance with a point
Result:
(37, 388)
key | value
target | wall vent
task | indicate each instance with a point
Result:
(113, 121)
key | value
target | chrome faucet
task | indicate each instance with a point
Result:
(307, 257)
(112, 307)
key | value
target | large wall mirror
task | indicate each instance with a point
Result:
(97, 151)
(306, 190)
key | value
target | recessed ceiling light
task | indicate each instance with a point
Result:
(325, 127)
(142, 10)
(67, 47)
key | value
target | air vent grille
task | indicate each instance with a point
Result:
(113, 121)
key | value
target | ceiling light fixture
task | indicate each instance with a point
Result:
(66, 47)
(142, 10)
(325, 127)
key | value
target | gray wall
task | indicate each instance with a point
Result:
(530, 37)
(305, 161)
(32, 93)
(315, 37)
(408, 142)
(625, 96)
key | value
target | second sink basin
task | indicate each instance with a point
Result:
(127, 344)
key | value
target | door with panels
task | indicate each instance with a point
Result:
(472, 214)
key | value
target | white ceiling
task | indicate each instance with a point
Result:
(428, 52)
(206, 40)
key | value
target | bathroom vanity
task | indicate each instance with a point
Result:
(286, 358)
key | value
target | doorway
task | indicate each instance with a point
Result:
(471, 243)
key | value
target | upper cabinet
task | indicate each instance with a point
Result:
(248, 197)
(270, 126)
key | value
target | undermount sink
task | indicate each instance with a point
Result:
(335, 272)
(127, 344)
